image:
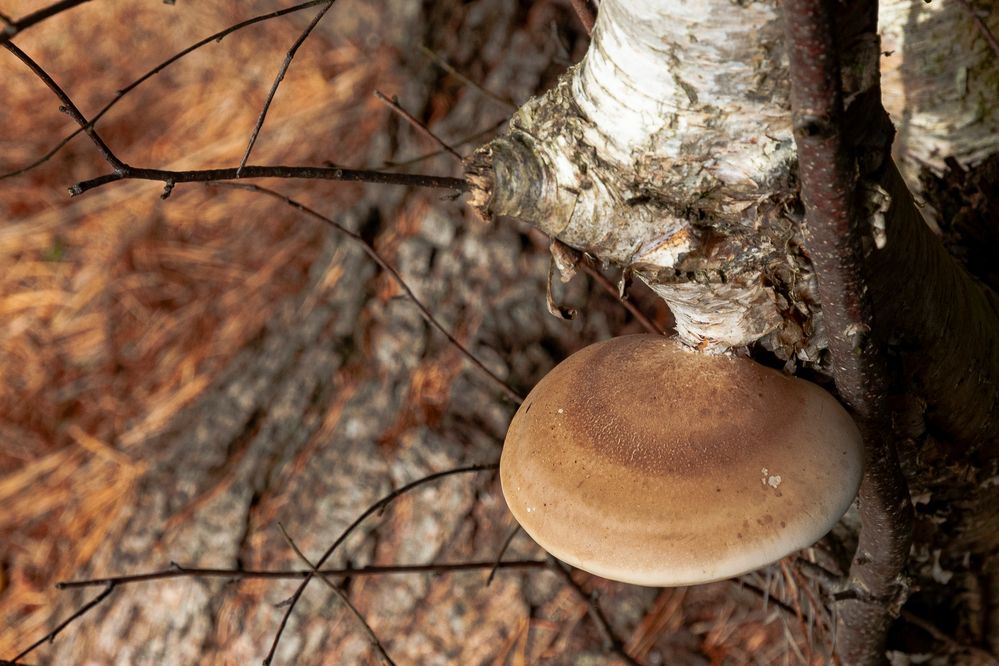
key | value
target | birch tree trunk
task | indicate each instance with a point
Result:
(939, 74)
(669, 151)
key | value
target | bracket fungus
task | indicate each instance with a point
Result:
(641, 461)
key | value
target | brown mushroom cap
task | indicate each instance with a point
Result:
(641, 461)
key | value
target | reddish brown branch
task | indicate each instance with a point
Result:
(586, 14)
(832, 234)
(981, 25)
(609, 287)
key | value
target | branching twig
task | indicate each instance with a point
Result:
(420, 127)
(832, 238)
(277, 82)
(68, 106)
(215, 37)
(178, 571)
(374, 508)
(388, 268)
(124, 171)
(502, 551)
(87, 607)
(338, 591)
(15, 26)
(181, 571)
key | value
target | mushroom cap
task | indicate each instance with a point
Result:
(641, 461)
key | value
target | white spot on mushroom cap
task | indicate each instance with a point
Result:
(772, 480)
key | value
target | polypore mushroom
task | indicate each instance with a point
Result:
(641, 461)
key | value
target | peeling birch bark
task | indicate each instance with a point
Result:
(940, 78)
(668, 150)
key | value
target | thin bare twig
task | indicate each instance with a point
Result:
(833, 240)
(277, 82)
(446, 66)
(763, 593)
(374, 508)
(420, 127)
(124, 171)
(502, 552)
(170, 178)
(181, 571)
(87, 607)
(388, 164)
(67, 105)
(611, 640)
(215, 37)
(388, 268)
(339, 592)
(609, 287)
(13, 26)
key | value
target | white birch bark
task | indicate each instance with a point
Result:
(667, 150)
(939, 78)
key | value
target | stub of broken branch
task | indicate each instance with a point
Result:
(481, 184)
(507, 179)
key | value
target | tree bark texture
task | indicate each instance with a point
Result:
(940, 74)
(837, 239)
(615, 161)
